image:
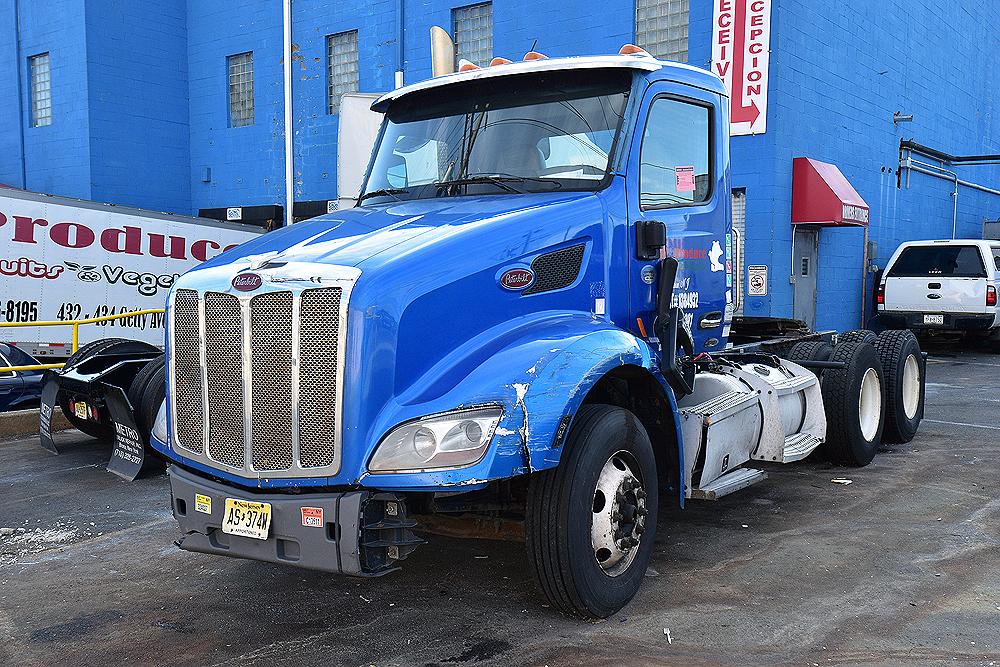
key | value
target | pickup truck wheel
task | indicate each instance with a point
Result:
(854, 400)
(118, 345)
(902, 366)
(591, 521)
(856, 336)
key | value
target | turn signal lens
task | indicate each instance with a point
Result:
(880, 295)
(991, 295)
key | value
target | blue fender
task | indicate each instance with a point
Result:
(546, 373)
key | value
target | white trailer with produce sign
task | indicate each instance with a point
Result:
(67, 259)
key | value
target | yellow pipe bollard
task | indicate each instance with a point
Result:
(76, 333)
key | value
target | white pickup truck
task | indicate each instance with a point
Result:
(937, 286)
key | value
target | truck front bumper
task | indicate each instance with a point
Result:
(361, 533)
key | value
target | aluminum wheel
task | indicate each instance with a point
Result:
(911, 386)
(870, 404)
(619, 514)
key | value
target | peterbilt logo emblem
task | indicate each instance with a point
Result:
(246, 282)
(516, 279)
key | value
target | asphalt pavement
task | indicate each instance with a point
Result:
(901, 566)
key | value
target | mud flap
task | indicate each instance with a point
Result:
(47, 404)
(129, 453)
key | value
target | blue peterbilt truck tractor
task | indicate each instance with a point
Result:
(526, 315)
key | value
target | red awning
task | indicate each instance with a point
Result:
(822, 196)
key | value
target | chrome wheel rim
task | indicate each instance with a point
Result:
(911, 386)
(619, 514)
(870, 404)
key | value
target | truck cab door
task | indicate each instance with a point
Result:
(678, 175)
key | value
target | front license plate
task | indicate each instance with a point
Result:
(933, 319)
(80, 409)
(247, 518)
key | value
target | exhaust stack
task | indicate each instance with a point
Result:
(442, 51)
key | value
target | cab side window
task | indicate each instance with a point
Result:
(674, 160)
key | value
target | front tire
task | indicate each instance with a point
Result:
(591, 521)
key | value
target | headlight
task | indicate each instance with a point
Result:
(449, 440)
(160, 425)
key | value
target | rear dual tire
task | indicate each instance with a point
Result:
(902, 367)
(854, 400)
(583, 516)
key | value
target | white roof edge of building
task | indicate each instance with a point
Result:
(640, 62)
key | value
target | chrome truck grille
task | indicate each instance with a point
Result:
(255, 379)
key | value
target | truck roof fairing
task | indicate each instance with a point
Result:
(684, 73)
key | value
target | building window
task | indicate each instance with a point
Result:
(674, 160)
(661, 27)
(473, 30)
(41, 90)
(241, 89)
(341, 67)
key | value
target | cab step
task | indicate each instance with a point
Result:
(731, 481)
(799, 446)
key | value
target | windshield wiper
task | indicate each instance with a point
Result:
(484, 179)
(385, 192)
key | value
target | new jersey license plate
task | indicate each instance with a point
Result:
(80, 410)
(247, 518)
(933, 319)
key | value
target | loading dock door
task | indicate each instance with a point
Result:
(805, 254)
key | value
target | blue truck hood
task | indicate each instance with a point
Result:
(360, 236)
(428, 306)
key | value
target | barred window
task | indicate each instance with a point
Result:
(41, 90)
(661, 27)
(240, 89)
(341, 67)
(473, 30)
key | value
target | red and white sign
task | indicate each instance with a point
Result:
(312, 517)
(741, 43)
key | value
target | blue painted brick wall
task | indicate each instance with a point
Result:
(838, 71)
(148, 128)
(139, 134)
(246, 163)
(56, 156)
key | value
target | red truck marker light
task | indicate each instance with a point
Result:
(880, 295)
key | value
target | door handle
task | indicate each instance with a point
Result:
(933, 285)
(710, 320)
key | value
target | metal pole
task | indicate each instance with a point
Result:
(401, 52)
(864, 277)
(289, 130)
(954, 210)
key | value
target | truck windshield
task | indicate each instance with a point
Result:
(948, 261)
(517, 134)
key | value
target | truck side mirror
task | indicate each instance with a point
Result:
(670, 332)
(650, 236)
